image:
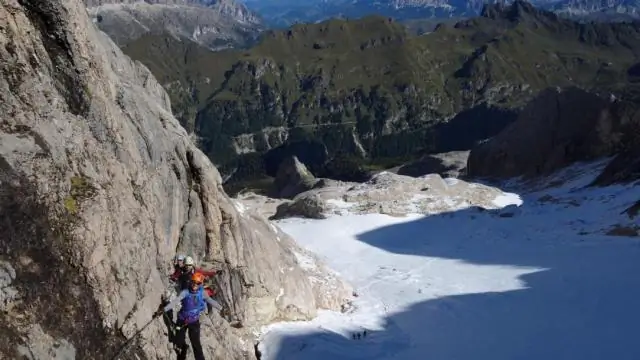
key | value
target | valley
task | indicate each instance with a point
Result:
(374, 93)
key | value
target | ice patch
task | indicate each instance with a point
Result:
(545, 284)
(507, 199)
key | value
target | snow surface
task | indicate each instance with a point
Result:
(507, 199)
(544, 282)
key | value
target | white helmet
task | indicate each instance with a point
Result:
(189, 261)
(179, 257)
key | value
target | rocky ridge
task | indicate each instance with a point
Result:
(558, 128)
(212, 24)
(99, 187)
(285, 13)
(385, 193)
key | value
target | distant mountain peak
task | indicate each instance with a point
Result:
(517, 10)
(216, 24)
(283, 13)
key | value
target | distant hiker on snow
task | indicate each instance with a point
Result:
(193, 302)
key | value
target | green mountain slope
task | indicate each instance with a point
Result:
(369, 88)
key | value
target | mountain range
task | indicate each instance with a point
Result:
(220, 24)
(283, 13)
(370, 89)
(215, 24)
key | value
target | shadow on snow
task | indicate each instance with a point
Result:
(583, 304)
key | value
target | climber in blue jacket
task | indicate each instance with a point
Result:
(194, 302)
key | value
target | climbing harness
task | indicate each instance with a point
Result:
(173, 327)
(173, 331)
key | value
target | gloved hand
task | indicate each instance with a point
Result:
(158, 313)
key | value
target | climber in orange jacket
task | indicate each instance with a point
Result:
(182, 274)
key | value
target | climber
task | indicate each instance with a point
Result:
(178, 263)
(193, 305)
(183, 275)
(180, 268)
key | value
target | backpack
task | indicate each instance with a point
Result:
(192, 305)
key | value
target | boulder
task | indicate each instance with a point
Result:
(448, 165)
(292, 179)
(307, 205)
(385, 193)
(633, 210)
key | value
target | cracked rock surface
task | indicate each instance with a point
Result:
(99, 188)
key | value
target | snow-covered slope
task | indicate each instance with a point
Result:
(537, 281)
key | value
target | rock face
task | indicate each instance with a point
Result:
(633, 210)
(7, 292)
(99, 187)
(214, 24)
(557, 128)
(625, 167)
(292, 179)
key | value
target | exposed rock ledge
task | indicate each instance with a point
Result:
(385, 193)
(99, 186)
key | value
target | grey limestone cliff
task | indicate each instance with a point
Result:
(214, 24)
(99, 187)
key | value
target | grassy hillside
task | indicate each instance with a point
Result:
(371, 88)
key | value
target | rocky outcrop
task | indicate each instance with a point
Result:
(307, 205)
(214, 24)
(557, 128)
(384, 193)
(624, 168)
(633, 210)
(450, 164)
(292, 179)
(99, 187)
(261, 141)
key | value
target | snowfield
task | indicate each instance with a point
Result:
(537, 279)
